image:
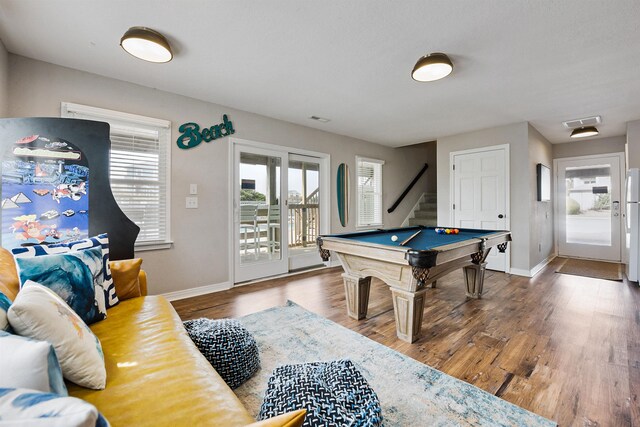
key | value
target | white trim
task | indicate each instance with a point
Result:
(520, 272)
(556, 205)
(535, 270)
(538, 268)
(68, 108)
(200, 290)
(375, 224)
(153, 246)
(507, 190)
(325, 182)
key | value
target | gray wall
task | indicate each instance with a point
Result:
(591, 147)
(200, 253)
(4, 84)
(541, 213)
(516, 136)
(633, 144)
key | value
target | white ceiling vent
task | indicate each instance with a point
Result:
(319, 119)
(578, 123)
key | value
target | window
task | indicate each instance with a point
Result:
(139, 169)
(369, 182)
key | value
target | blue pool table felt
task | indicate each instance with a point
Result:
(427, 239)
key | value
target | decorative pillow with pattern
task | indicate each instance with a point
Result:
(39, 313)
(99, 241)
(5, 303)
(25, 407)
(75, 276)
(28, 363)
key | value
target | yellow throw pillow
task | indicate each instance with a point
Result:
(125, 277)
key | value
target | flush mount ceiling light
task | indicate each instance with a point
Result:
(434, 66)
(319, 119)
(584, 132)
(146, 44)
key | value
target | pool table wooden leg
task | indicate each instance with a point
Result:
(357, 291)
(408, 308)
(474, 279)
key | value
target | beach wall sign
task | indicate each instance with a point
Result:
(191, 135)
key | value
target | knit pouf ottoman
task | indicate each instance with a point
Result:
(333, 393)
(228, 346)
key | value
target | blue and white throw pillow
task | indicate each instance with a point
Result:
(101, 241)
(28, 363)
(21, 406)
(75, 276)
(5, 303)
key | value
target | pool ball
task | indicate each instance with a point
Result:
(394, 238)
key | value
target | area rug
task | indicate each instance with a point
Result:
(594, 269)
(411, 393)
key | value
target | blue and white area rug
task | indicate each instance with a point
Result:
(411, 393)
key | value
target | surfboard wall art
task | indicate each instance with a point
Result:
(343, 193)
(45, 192)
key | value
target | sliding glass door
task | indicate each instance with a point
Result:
(259, 213)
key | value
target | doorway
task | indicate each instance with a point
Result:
(588, 191)
(480, 194)
(280, 205)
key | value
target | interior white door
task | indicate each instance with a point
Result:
(260, 243)
(480, 195)
(589, 207)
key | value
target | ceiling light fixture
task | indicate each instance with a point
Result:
(146, 44)
(319, 119)
(434, 66)
(584, 132)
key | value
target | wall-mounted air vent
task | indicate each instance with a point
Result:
(578, 123)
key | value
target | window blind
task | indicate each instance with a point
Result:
(139, 171)
(369, 189)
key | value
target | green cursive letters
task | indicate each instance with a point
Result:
(191, 136)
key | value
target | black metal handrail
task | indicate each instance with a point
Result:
(406, 190)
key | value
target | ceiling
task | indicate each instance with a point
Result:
(350, 61)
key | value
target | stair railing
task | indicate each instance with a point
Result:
(409, 187)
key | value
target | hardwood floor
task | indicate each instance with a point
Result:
(565, 347)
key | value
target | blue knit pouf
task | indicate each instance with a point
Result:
(228, 346)
(333, 393)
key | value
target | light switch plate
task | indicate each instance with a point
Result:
(193, 189)
(192, 203)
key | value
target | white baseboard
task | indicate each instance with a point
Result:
(412, 214)
(200, 290)
(535, 270)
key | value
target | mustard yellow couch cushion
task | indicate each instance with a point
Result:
(155, 375)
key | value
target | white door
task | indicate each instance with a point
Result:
(480, 194)
(589, 207)
(305, 209)
(259, 211)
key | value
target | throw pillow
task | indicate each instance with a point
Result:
(100, 241)
(5, 303)
(31, 364)
(75, 276)
(40, 314)
(125, 277)
(25, 407)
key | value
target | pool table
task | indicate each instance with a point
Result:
(410, 268)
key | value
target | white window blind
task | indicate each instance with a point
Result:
(139, 168)
(369, 182)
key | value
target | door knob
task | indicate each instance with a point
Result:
(500, 216)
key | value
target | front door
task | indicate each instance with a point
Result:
(589, 207)
(480, 194)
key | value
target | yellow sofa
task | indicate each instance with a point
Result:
(155, 374)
